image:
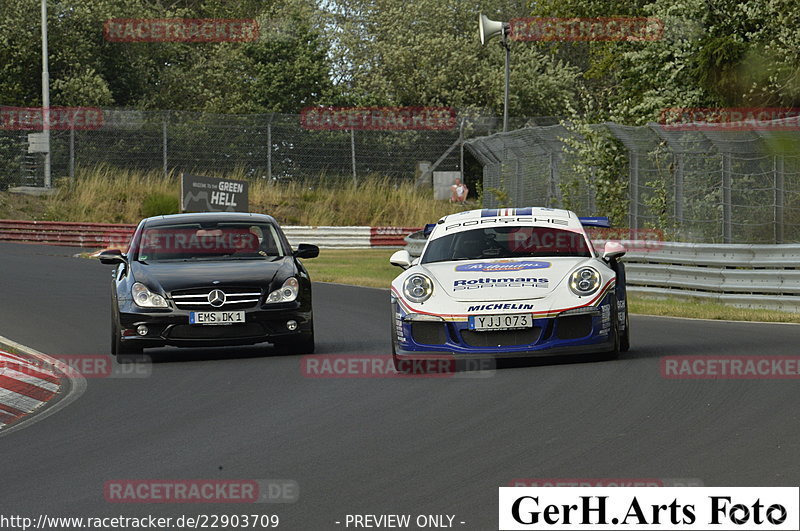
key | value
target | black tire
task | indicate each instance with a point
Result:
(615, 351)
(405, 366)
(304, 344)
(625, 337)
(125, 353)
(400, 366)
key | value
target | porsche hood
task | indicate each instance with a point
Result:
(508, 280)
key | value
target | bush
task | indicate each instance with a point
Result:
(160, 204)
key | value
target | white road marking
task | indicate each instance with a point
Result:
(32, 380)
(75, 383)
(18, 401)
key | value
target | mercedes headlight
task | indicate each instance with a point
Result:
(584, 281)
(145, 298)
(287, 293)
(418, 288)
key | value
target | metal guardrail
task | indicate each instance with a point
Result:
(95, 235)
(751, 276)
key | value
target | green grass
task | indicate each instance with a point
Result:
(370, 267)
(360, 267)
(705, 310)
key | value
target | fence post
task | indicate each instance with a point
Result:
(269, 146)
(679, 189)
(727, 214)
(779, 197)
(551, 180)
(72, 150)
(353, 153)
(634, 190)
(164, 137)
(461, 138)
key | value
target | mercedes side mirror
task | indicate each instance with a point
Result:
(306, 250)
(111, 257)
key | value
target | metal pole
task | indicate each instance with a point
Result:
(461, 137)
(269, 147)
(552, 188)
(508, 75)
(353, 153)
(164, 143)
(679, 189)
(634, 190)
(727, 214)
(45, 97)
(72, 151)
(779, 198)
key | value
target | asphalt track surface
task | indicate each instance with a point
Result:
(376, 446)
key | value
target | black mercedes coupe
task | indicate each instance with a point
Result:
(210, 279)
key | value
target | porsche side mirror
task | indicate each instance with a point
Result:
(613, 251)
(401, 258)
(306, 250)
(111, 257)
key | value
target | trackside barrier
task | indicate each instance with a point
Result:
(750, 276)
(96, 235)
(348, 237)
(66, 233)
(390, 236)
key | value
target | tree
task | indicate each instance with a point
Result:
(714, 53)
(427, 52)
(283, 70)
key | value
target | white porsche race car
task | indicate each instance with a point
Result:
(509, 282)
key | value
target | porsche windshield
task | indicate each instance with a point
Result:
(219, 241)
(506, 242)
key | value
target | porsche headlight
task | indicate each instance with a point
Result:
(287, 293)
(145, 298)
(418, 288)
(584, 281)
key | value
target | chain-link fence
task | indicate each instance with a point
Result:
(271, 146)
(705, 184)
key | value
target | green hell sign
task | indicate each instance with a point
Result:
(207, 194)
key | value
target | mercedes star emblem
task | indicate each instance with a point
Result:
(216, 298)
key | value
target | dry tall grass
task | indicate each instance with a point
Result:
(111, 195)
